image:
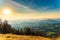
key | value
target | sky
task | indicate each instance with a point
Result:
(40, 5)
(31, 9)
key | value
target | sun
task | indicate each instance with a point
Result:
(7, 11)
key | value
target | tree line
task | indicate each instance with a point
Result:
(5, 27)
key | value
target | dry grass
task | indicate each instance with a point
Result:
(20, 37)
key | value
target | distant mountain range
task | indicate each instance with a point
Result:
(36, 24)
(46, 27)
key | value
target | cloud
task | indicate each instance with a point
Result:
(19, 7)
(40, 5)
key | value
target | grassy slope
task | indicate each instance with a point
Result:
(20, 37)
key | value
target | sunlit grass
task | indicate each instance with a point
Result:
(21, 37)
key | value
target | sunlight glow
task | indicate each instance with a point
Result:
(6, 11)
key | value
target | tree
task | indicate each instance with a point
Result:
(0, 25)
(6, 28)
(27, 31)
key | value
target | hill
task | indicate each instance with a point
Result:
(20, 37)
